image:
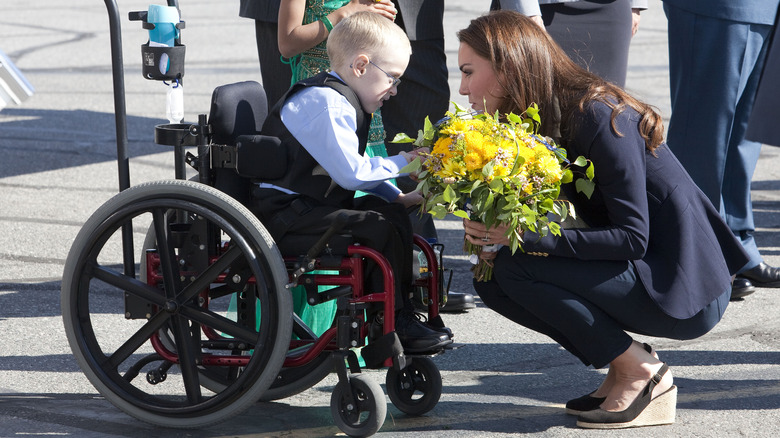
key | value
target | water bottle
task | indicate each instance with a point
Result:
(165, 19)
(174, 102)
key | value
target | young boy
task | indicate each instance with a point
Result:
(323, 122)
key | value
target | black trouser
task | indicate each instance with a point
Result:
(586, 305)
(372, 222)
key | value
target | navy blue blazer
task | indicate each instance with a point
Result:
(645, 209)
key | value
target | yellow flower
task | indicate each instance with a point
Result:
(550, 168)
(452, 168)
(473, 161)
(474, 141)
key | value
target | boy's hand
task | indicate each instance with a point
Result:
(411, 155)
(409, 199)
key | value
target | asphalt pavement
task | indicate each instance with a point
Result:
(59, 165)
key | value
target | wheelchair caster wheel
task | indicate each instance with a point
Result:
(364, 412)
(154, 377)
(416, 389)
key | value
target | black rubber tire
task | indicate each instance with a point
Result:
(367, 416)
(106, 344)
(417, 388)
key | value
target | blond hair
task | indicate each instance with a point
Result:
(364, 32)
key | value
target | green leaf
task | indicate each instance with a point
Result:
(461, 213)
(475, 186)
(428, 126)
(590, 172)
(585, 187)
(402, 138)
(487, 169)
(580, 161)
(412, 167)
(497, 186)
(514, 118)
(449, 194)
(566, 177)
(438, 211)
(489, 201)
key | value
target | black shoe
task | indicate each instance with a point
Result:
(459, 302)
(588, 402)
(583, 404)
(740, 288)
(436, 324)
(644, 411)
(762, 275)
(415, 336)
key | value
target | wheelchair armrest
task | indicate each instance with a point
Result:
(260, 156)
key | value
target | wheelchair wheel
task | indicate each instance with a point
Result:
(113, 321)
(416, 389)
(366, 414)
(289, 382)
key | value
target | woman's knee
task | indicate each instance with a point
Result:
(509, 270)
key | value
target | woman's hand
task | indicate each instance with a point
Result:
(478, 234)
(635, 18)
(409, 199)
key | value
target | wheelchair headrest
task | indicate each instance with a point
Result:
(237, 109)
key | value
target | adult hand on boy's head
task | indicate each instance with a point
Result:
(382, 7)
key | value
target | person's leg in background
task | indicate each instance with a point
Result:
(276, 74)
(714, 67)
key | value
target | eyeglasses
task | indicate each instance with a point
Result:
(395, 80)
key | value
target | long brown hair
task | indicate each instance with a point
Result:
(532, 68)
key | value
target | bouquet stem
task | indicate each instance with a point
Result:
(482, 269)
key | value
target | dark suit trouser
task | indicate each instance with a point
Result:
(586, 306)
(714, 69)
(276, 74)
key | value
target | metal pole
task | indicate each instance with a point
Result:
(120, 116)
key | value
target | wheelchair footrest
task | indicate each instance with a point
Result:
(375, 353)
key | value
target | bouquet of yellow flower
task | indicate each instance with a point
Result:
(494, 170)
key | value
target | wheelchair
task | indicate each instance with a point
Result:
(208, 327)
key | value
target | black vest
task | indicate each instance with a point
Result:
(304, 175)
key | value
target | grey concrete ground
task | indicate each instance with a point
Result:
(58, 165)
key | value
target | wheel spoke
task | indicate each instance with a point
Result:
(218, 322)
(167, 253)
(128, 284)
(209, 275)
(185, 346)
(133, 343)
